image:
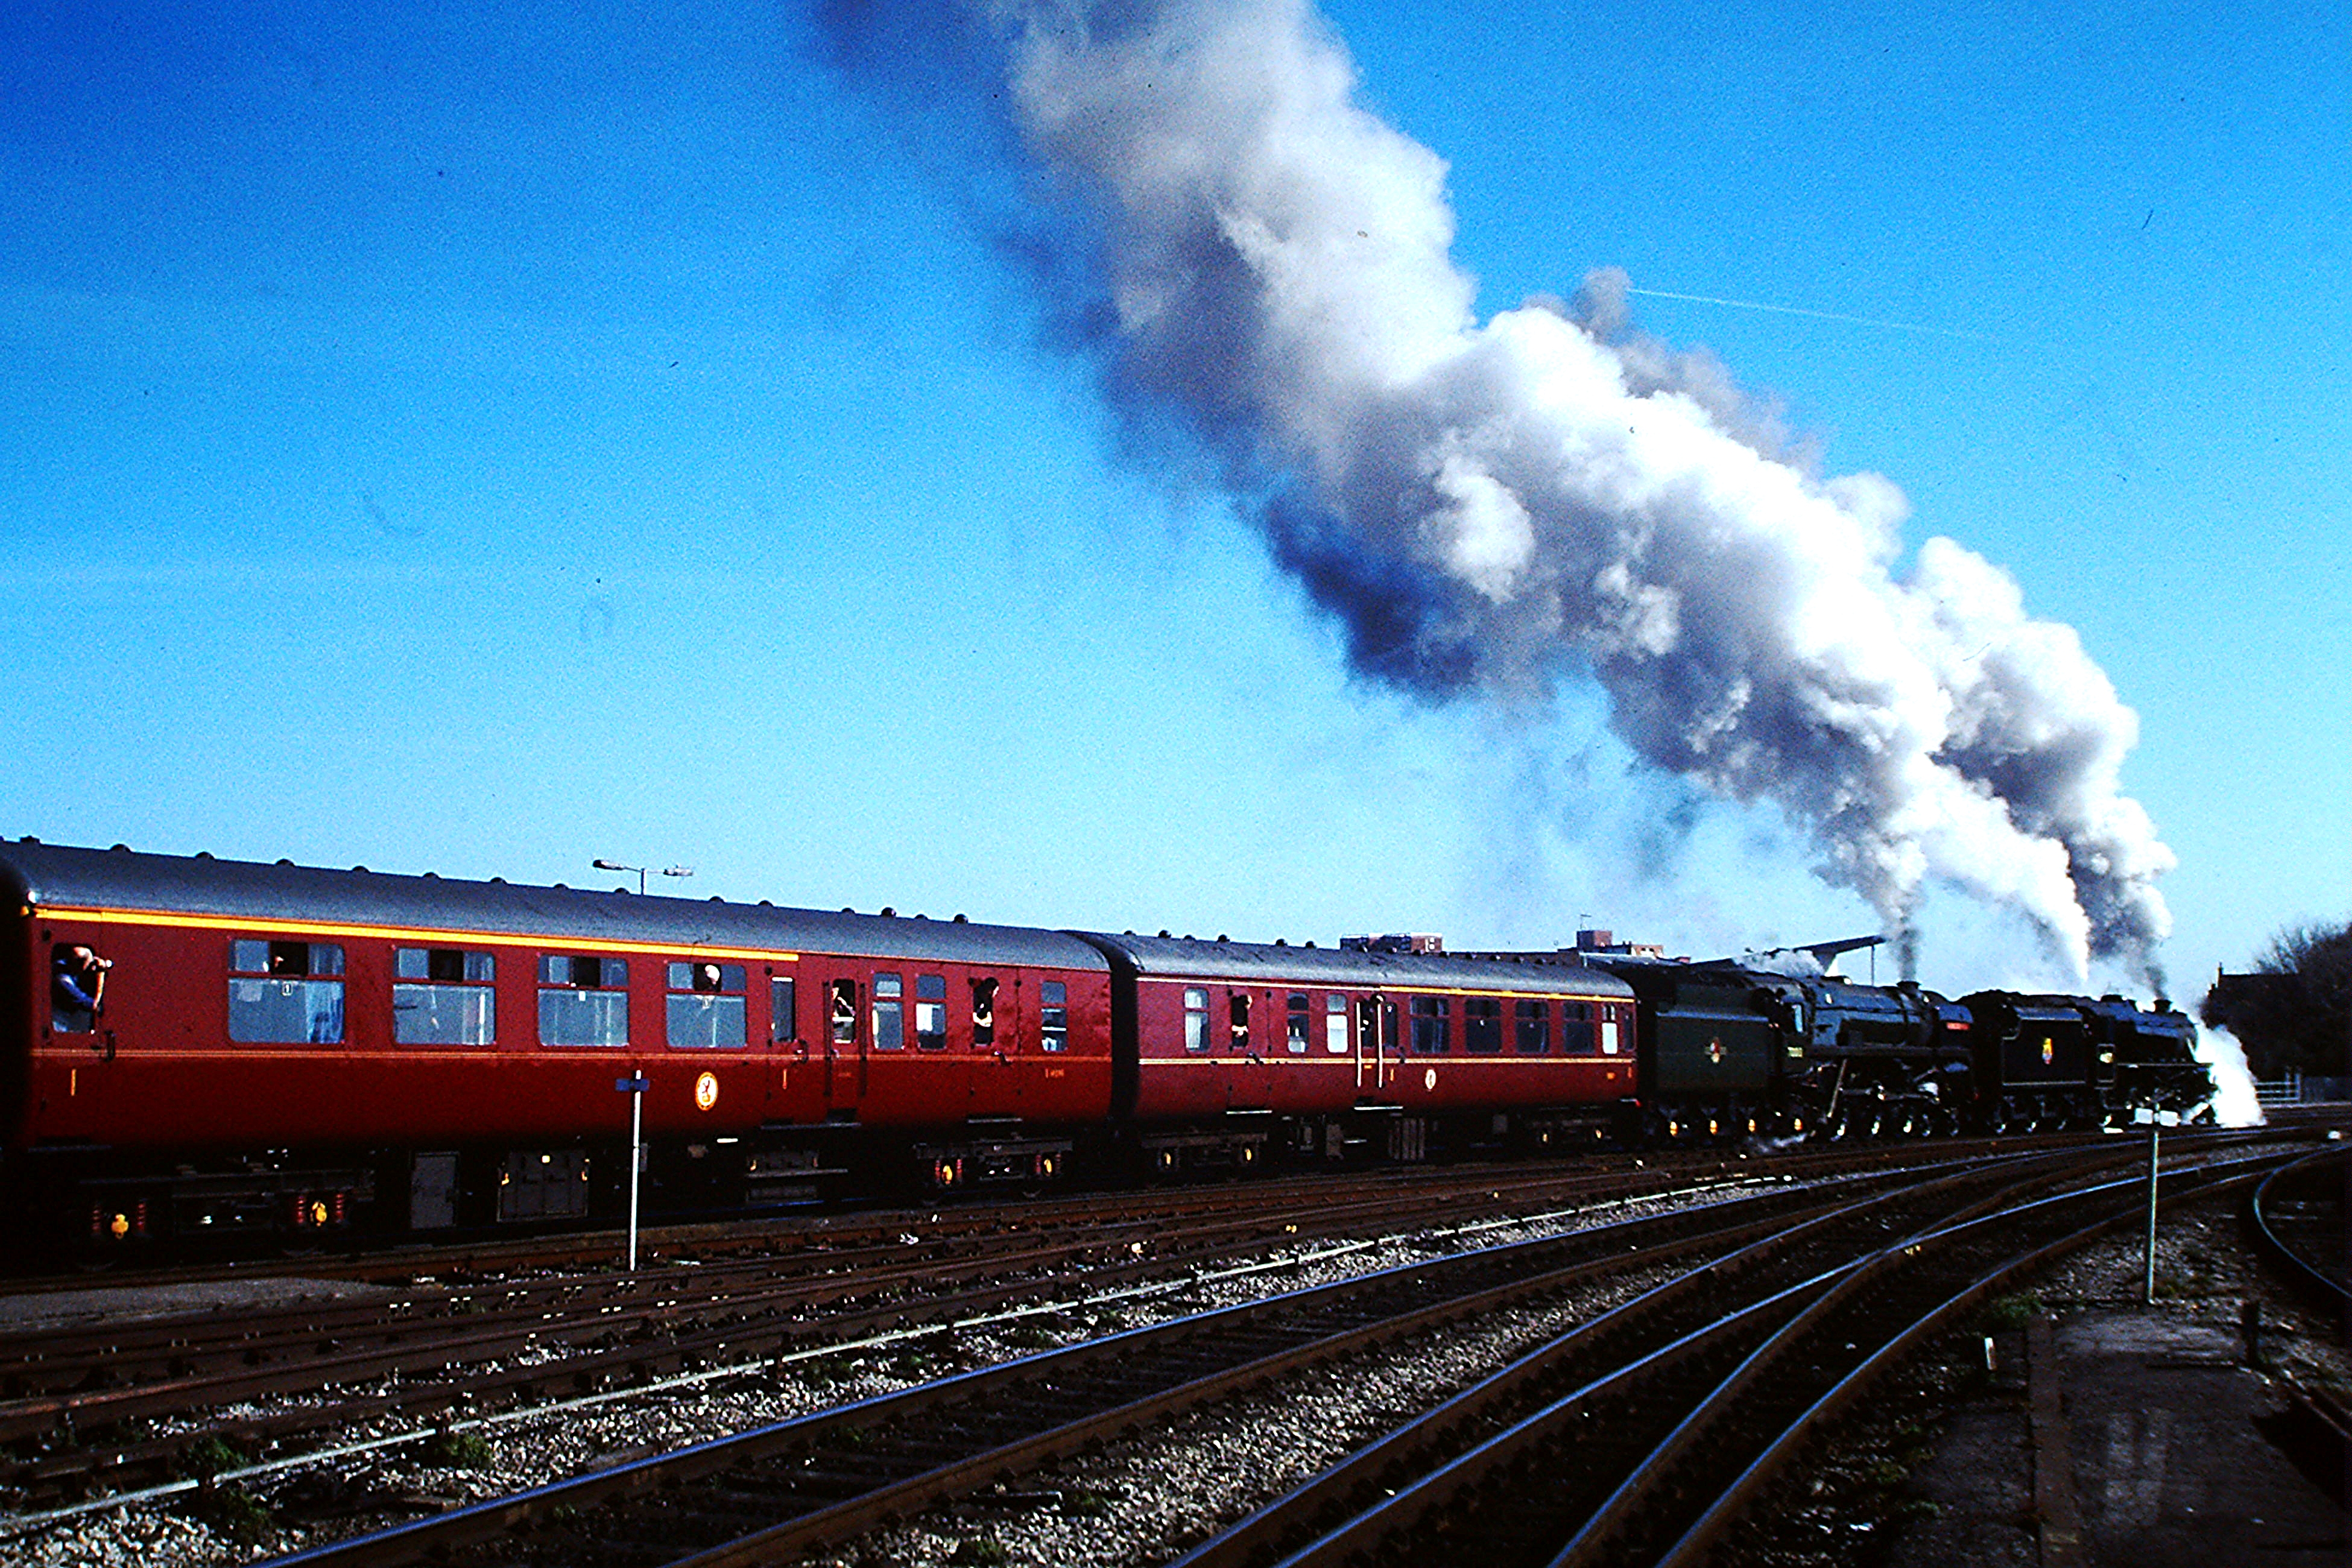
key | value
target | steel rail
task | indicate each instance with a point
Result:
(1692, 1548)
(641, 1358)
(949, 1480)
(1603, 1538)
(878, 1327)
(1410, 1502)
(1607, 1244)
(599, 1309)
(770, 1233)
(1439, 1429)
(744, 1231)
(2323, 1288)
(649, 1307)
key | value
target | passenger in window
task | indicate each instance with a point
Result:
(77, 988)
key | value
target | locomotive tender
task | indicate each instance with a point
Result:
(198, 1048)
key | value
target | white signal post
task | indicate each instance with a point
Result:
(2158, 1121)
(634, 1087)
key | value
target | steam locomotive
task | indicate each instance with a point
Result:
(199, 1049)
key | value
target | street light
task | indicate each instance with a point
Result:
(640, 870)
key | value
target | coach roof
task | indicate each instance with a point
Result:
(42, 876)
(1259, 963)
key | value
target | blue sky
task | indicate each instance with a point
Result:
(437, 440)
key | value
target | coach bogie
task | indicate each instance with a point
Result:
(1177, 1154)
(1024, 1164)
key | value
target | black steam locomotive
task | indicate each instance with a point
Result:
(1780, 1047)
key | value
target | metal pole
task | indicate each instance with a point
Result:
(637, 1162)
(2155, 1133)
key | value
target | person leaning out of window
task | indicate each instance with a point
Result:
(77, 989)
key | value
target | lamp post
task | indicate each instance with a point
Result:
(640, 870)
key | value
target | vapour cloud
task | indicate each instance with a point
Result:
(1492, 507)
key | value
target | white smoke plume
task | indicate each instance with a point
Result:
(1492, 507)
(2236, 1102)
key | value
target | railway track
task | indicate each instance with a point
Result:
(81, 1406)
(2297, 1217)
(480, 1257)
(1651, 1457)
(694, 1326)
(838, 1472)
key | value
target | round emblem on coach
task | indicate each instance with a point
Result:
(1429, 1079)
(706, 1091)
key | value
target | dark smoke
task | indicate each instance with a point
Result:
(1489, 507)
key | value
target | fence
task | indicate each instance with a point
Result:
(2302, 1089)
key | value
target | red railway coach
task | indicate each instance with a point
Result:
(1243, 1050)
(196, 1047)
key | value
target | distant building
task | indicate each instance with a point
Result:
(1606, 942)
(1413, 941)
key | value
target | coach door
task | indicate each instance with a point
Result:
(999, 1075)
(1376, 1029)
(845, 1048)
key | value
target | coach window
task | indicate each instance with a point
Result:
(1430, 1025)
(443, 996)
(1296, 1036)
(842, 1011)
(1237, 1009)
(1535, 1028)
(783, 1023)
(1482, 1026)
(932, 1012)
(1335, 1024)
(984, 1015)
(77, 987)
(889, 1013)
(1610, 1013)
(1053, 1015)
(286, 993)
(706, 1004)
(582, 1001)
(1576, 1030)
(1196, 1018)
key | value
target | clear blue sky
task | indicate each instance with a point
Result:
(484, 442)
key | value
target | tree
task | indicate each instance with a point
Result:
(2294, 1010)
